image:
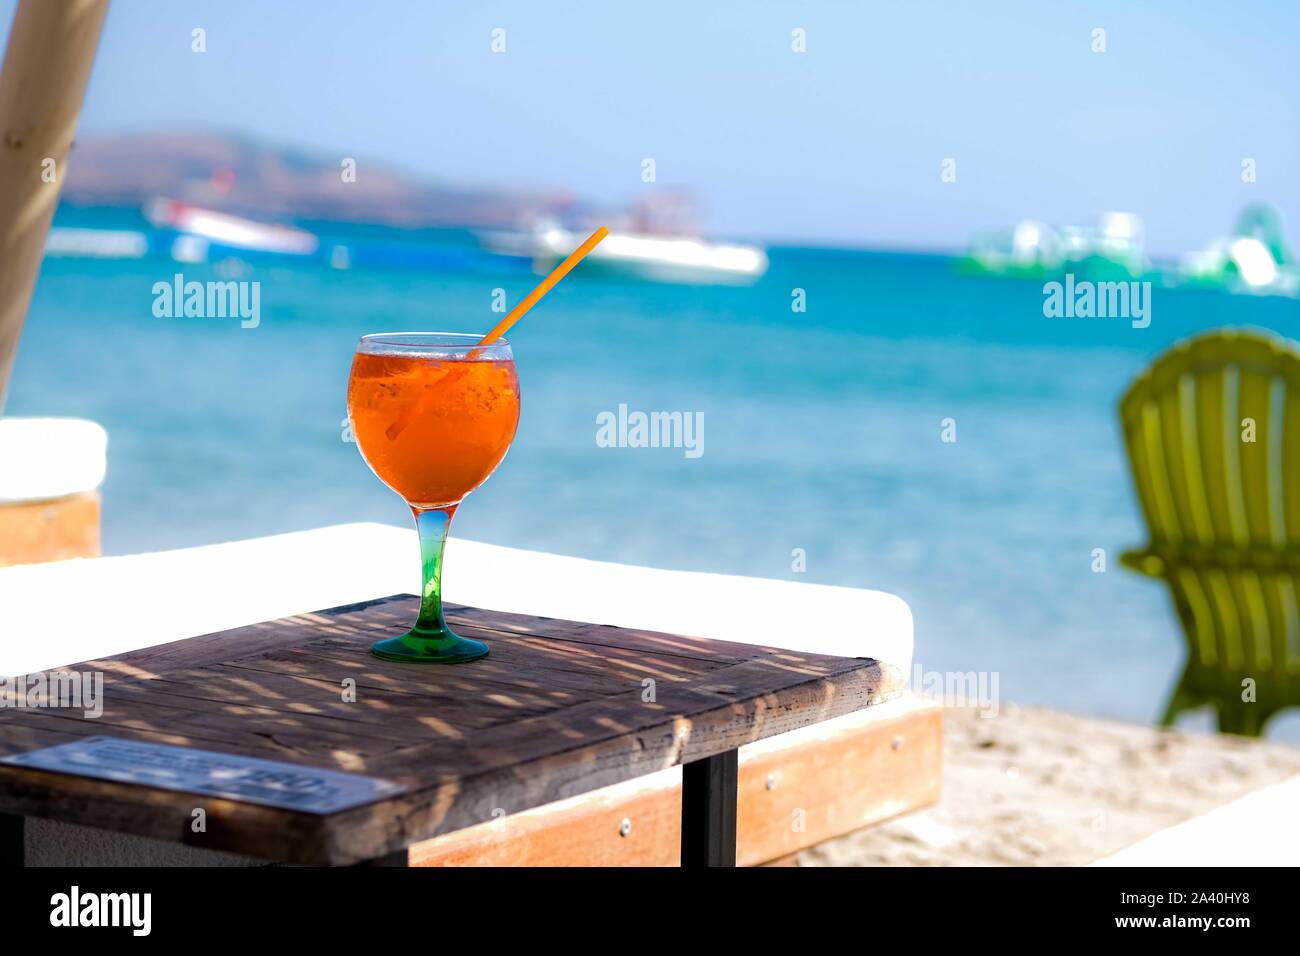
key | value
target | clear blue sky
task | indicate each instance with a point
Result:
(840, 144)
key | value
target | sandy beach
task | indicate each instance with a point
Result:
(1033, 786)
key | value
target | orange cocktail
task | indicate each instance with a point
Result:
(461, 416)
(433, 414)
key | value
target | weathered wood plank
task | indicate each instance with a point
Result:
(637, 823)
(388, 707)
(207, 648)
(251, 731)
(371, 720)
(679, 645)
(511, 652)
(333, 662)
(856, 772)
(19, 738)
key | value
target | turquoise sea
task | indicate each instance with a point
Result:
(822, 433)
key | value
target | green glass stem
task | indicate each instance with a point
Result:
(432, 527)
(431, 641)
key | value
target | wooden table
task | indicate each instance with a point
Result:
(558, 708)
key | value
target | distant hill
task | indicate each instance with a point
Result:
(242, 176)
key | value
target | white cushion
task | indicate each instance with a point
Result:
(1255, 830)
(65, 612)
(43, 458)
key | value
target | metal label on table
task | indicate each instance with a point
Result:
(249, 779)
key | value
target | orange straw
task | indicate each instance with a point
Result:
(513, 316)
(545, 286)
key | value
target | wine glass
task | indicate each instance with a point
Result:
(433, 414)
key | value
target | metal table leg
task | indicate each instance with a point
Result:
(709, 811)
(397, 858)
(12, 853)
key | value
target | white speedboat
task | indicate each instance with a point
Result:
(661, 258)
(223, 230)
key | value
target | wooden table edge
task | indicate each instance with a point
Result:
(357, 834)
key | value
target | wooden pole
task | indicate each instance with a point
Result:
(46, 67)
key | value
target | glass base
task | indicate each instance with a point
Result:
(425, 647)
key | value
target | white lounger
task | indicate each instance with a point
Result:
(141, 600)
(46, 458)
(50, 473)
(1255, 830)
(58, 614)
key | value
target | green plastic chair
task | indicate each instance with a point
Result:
(1223, 514)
